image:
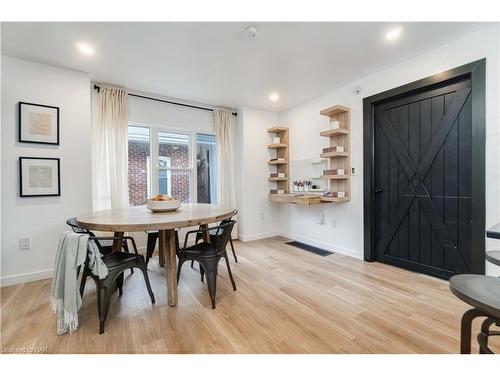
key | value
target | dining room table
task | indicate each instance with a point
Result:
(140, 218)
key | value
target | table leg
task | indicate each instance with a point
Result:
(167, 246)
(206, 237)
(117, 244)
(161, 256)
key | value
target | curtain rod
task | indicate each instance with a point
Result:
(98, 88)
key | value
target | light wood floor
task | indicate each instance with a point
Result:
(288, 301)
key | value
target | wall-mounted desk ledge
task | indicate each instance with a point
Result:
(295, 198)
(335, 155)
(335, 177)
(277, 162)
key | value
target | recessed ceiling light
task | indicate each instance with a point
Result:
(394, 33)
(85, 48)
(274, 97)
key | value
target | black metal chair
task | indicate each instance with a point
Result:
(105, 247)
(483, 294)
(116, 263)
(212, 234)
(208, 255)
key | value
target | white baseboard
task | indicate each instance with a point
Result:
(324, 245)
(257, 236)
(25, 277)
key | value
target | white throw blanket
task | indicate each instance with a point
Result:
(65, 296)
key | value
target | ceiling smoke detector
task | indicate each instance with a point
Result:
(251, 31)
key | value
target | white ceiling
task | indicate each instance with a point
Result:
(216, 63)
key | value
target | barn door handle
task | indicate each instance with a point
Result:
(378, 190)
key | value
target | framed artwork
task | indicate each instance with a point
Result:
(38, 123)
(39, 177)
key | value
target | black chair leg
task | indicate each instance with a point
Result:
(103, 299)
(212, 286)
(179, 267)
(150, 247)
(142, 266)
(85, 274)
(202, 272)
(229, 271)
(232, 249)
(119, 284)
(466, 328)
(127, 250)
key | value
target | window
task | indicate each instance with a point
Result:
(206, 168)
(162, 162)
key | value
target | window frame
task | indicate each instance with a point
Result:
(154, 142)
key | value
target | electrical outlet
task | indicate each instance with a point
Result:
(334, 223)
(25, 243)
(262, 216)
(321, 218)
(353, 171)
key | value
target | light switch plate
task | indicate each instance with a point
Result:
(25, 243)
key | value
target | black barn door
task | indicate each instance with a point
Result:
(422, 179)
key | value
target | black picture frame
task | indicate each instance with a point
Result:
(477, 72)
(20, 124)
(58, 194)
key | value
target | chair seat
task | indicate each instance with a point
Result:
(114, 260)
(202, 249)
(479, 291)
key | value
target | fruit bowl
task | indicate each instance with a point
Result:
(163, 203)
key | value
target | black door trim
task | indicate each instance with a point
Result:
(476, 71)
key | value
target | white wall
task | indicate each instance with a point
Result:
(257, 217)
(42, 219)
(305, 124)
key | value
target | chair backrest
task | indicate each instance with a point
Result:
(223, 233)
(225, 221)
(73, 224)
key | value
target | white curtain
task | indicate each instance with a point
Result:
(224, 135)
(109, 150)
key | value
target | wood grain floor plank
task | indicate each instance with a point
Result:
(288, 301)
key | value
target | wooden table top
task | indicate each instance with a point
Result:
(139, 218)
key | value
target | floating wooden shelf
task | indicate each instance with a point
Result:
(332, 199)
(335, 177)
(277, 129)
(335, 110)
(334, 132)
(335, 155)
(295, 198)
(338, 160)
(278, 145)
(279, 151)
